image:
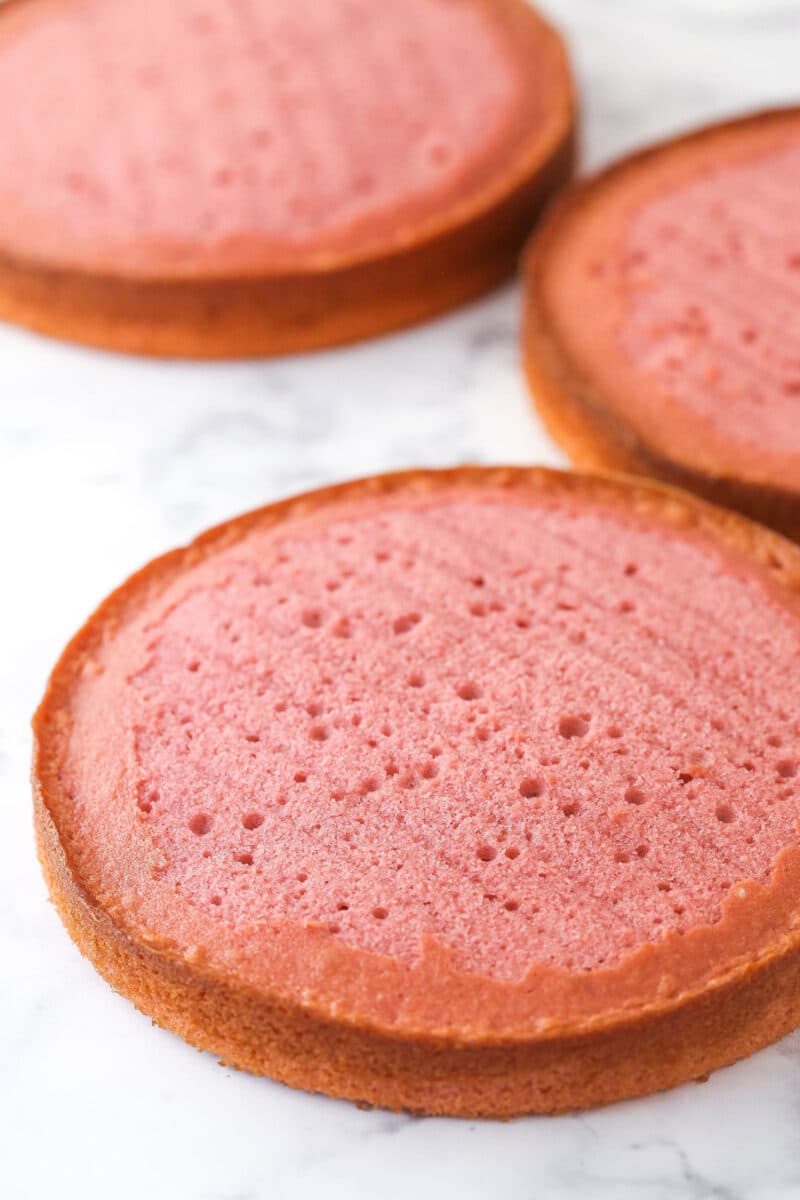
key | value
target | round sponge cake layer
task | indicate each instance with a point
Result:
(191, 141)
(473, 755)
(684, 266)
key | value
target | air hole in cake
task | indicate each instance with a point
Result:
(245, 859)
(469, 691)
(252, 737)
(642, 850)
(570, 808)
(635, 795)
(511, 852)
(630, 569)
(573, 726)
(253, 820)
(300, 776)
(301, 876)
(416, 679)
(364, 184)
(774, 741)
(429, 771)
(407, 622)
(486, 853)
(379, 913)
(787, 768)
(147, 797)
(319, 733)
(194, 665)
(511, 905)
(343, 628)
(200, 824)
(478, 610)
(312, 617)
(260, 138)
(531, 786)
(216, 900)
(439, 154)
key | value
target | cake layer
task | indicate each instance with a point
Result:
(188, 137)
(663, 307)
(540, 730)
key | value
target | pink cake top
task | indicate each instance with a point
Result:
(184, 136)
(531, 729)
(700, 248)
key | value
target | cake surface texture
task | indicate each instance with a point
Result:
(661, 330)
(470, 792)
(259, 175)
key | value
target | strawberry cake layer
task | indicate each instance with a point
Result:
(535, 729)
(663, 302)
(189, 137)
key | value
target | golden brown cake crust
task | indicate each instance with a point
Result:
(572, 407)
(465, 1045)
(358, 292)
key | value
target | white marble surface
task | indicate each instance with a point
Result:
(106, 461)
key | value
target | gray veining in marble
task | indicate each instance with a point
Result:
(106, 461)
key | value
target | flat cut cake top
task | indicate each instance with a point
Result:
(673, 284)
(474, 750)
